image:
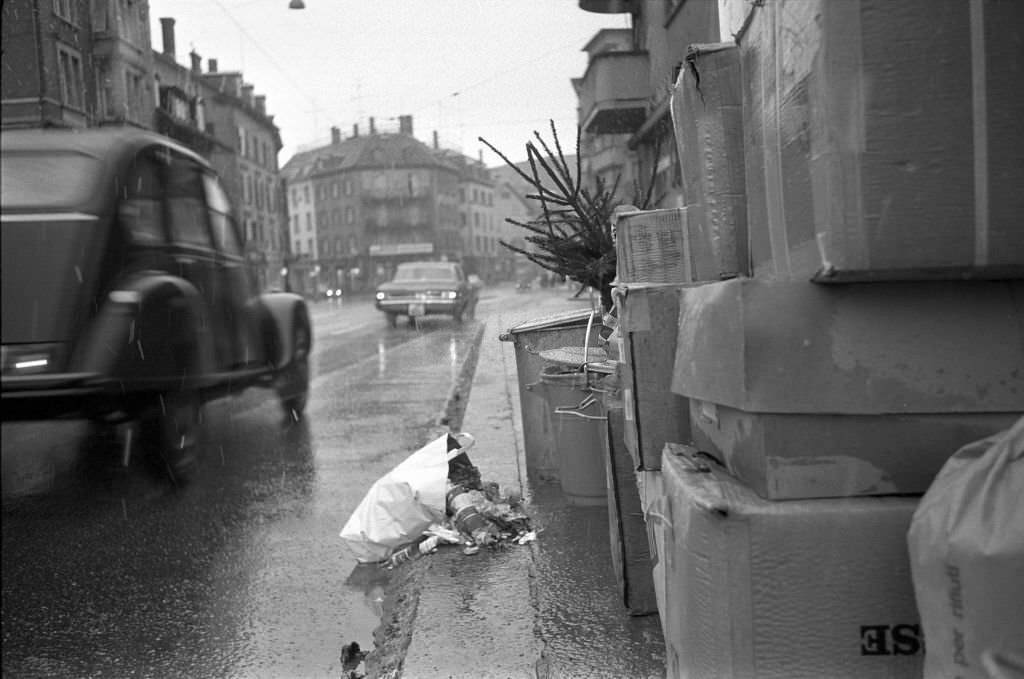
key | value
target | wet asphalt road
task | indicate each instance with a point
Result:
(242, 573)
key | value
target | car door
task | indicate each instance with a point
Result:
(192, 245)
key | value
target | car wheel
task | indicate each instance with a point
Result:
(170, 436)
(392, 320)
(293, 384)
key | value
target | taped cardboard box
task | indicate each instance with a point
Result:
(861, 163)
(651, 247)
(906, 348)
(785, 456)
(648, 318)
(652, 500)
(706, 106)
(784, 590)
(630, 550)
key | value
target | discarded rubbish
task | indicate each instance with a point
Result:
(351, 658)
(413, 551)
(404, 517)
(401, 504)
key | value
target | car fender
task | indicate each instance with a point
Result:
(279, 312)
(150, 332)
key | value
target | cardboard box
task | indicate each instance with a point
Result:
(792, 456)
(883, 139)
(784, 590)
(631, 554)
(650, 247)
(706, 106)
(650, 487)
(648, 320)
(860, 349)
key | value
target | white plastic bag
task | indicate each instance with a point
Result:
(403, 503)
(966, 544)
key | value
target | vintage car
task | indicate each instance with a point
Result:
(424, 288)
(127, 299)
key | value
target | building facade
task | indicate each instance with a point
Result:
(76, 63)
(359, 206)
(624, 96)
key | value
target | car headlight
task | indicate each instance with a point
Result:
(452, 294)
(381, 295)
(30, 359)
(330, 293)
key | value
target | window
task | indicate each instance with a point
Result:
(309, 246)
(309, 221)
(71, 80)
(186, 203)
(348, 187)
(298, 247)
(241, 142)
(225, 236)
(305, 192)
(350, 215)
(66, 10)
(295, 196)
(141, 211)
(335, 189)
(134, 85)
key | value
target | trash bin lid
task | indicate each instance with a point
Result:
(565, 319)
(573, 357)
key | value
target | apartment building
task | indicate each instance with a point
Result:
(624, 95)
(76, 63)
(360, 205)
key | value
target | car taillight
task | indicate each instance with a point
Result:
(30, 359)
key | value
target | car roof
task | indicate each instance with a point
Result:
(104, 143)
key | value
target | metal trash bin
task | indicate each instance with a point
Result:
(579, 428)
(530, 339)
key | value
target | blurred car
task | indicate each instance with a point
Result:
(127, 300)
(426, 288)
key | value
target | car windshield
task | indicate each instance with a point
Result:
(53, 180)
(425, 272)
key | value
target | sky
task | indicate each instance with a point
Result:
(497, 69)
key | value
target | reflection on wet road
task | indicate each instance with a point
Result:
(241, 573)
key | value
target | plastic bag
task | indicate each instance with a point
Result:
(966, 543)
(403, 503)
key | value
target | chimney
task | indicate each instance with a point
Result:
(335, 135)
(167, 28)
(481, 152)
(261, 105)
(247, 93)
(373, 128)
(197, 62)
(355, 129)
(405, 125)
(435, 140)
(212, 65)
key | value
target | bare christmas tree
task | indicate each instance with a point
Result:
(573, 236)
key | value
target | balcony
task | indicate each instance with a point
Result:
(613, 92)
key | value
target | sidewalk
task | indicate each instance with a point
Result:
(545, 610)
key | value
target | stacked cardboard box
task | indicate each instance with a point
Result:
(707, 117)
(883, 139)
(630, 548)
(763, 590)
(806, 390)
(832, 407)
(648, 317)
